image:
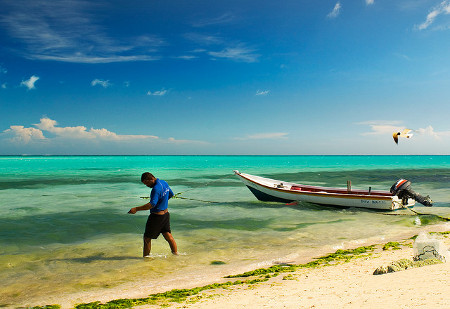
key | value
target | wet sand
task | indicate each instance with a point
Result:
(347, 285)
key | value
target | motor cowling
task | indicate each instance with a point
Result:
(402, 189)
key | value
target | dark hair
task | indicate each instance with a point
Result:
(146, 176)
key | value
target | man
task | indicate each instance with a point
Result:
(158, 221)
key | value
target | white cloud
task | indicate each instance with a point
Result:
(160, 93)
(370, 2)
(101, 82)
(383, 129)
(3, 70)
(80, 132)
(29, 83)
(4, 86)
(67, 31)
(24, 135)
(236, 53)
(79, 58)
(442, 8)
(184, 141)
(429, 131)
(262, 92)
(336, 11)
(187, 57)
(203, 39)
(387, 128)
(276, 135)
(20, 134)
(80, 135)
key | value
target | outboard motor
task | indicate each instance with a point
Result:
(402, 188)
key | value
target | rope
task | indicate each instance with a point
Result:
(194, 199)
(186, 198)
(208, 183)
(177, 195)
(440, 217)
(416, 213)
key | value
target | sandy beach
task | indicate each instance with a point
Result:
(349, 284)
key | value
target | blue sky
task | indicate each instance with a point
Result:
(229, 77)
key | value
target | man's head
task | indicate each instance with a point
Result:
(148, 179)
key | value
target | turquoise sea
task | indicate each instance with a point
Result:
(64, 227)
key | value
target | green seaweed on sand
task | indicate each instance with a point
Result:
(175, 295)
(217, 263)
(46, 307)
(289, 277)
(263, 271)
(392, 245)
(333, 258)
(340, 256)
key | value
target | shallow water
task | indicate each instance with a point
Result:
(64, 225)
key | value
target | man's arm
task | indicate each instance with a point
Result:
(139, 208)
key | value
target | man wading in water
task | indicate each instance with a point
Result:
(158, 221)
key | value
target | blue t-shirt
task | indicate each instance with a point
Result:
(160, 195)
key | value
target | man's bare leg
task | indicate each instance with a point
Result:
(173, 245)
(147, 246)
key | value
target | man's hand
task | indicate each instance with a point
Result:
(132, 211)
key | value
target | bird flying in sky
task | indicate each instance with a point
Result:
(406, 133)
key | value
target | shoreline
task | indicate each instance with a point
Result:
(237, 293)
(350, 284)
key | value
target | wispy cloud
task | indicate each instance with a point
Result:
(336, 11)
(236, 53)
(186, 57)
(262, 92)
(160, 93)
(222, 19)
(276, 135)
(172, 140)
(218, 47)
(67, 31)
(204, 39)
(3, 70)
(370, 2)
(442, 8)
(403, 56)
(101, 82)
(382, 127)
(25, 135)
(29, 83)
(389, 127)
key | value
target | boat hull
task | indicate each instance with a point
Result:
(266, 189)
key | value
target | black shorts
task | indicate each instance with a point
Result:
(157, 224)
